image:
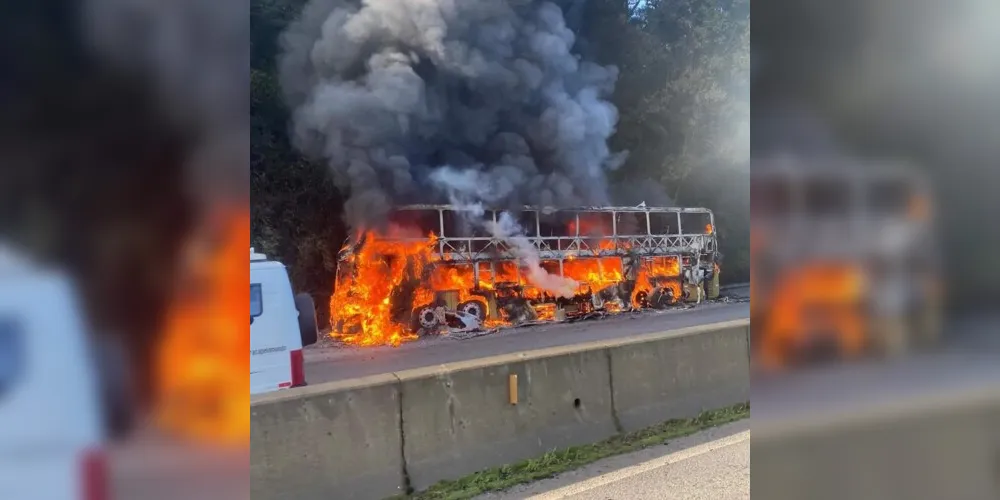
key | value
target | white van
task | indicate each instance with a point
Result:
(52, 426)
(281, 324)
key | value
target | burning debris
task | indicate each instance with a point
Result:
(399, 285)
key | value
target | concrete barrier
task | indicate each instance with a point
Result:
(459, 419)
(825, 438)
(933, 455)
(339, 440)
(680, 375)
(379, 436)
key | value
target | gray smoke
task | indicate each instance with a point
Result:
(389, 91)
(787, 129)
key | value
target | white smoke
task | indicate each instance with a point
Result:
(507, 229)
(468, 190)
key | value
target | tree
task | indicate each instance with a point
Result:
(295, 208)
(687, 121)
(696, 108)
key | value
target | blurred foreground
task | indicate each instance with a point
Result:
(123, 201)
(859, 390)
(844, 261)
(877, 343)
(923, 427)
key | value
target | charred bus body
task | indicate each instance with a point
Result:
(843, 263)
(621, 258)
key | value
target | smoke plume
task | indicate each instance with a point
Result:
(507, 229)
(469, 190)
(389, 91)
(195, 56)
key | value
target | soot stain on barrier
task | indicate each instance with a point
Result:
(749, 352)
(405, 472)
(619, 428)
(451, 414)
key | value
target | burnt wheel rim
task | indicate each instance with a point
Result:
(427, 318)
(473, 309)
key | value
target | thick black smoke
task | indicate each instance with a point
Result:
(391, 91)
(195, 56)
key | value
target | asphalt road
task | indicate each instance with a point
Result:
(326, 364)
(711, 465)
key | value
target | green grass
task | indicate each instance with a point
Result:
(558, 461)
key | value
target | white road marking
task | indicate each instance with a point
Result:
(627, 472)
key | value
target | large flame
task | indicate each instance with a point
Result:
(819, 298)
(389, 277)
(202, 368)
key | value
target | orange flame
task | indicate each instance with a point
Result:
(388, 279)
(664, 271)
(201, 368)
(819, 297)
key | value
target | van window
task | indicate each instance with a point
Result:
(11, 353)
(256, 301)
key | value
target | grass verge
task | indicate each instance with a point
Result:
(558, 461)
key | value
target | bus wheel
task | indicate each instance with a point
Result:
(424, 318)
(641, 300)
(475, 308)
(661, 298)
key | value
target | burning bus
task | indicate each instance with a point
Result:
(843, 263)
(431, 270)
